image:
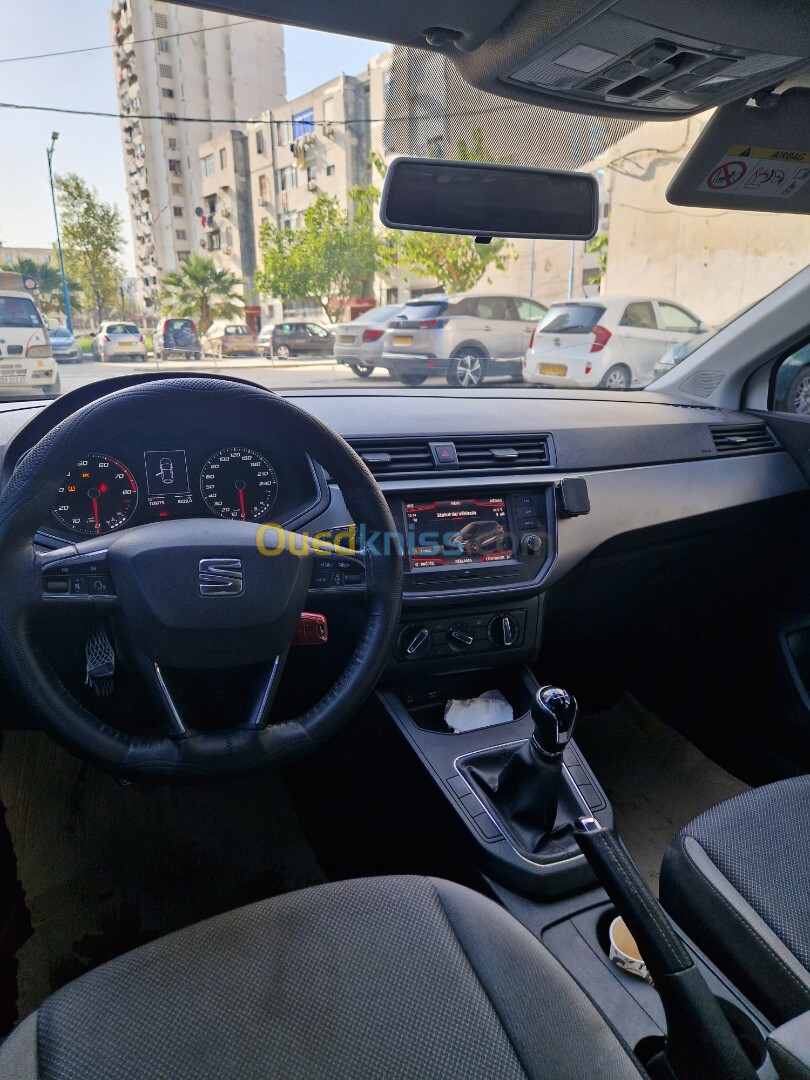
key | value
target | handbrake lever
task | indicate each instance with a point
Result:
(700, 1044)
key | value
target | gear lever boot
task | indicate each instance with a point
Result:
(525, 791)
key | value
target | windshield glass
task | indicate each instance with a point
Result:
(263, 223)
(18, 311)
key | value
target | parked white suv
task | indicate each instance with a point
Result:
(608, 342)
(466, 337)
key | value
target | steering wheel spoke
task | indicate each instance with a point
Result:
(180, 724)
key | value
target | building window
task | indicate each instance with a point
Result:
(180, 234)
(214, 242)
(163, 45)
(166, 91)
(286, 178)
(264, 188)
(329, 109)
(177, 189)
(259, 142)
(171, 118)
(229, 238)
(392, 296)
(303, 123)
(207, 165)
(165, 71)
(285, 134)
(174, 165)
(161, 20)
(183, 255)
(178, 211)
(172, 144)
(312, 172)
(388, 88)
(330, 170)
(223, 158)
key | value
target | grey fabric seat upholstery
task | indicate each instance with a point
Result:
(737, 879)
(382, 977)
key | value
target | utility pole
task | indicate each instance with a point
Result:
(65, 294)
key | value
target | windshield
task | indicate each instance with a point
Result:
(59, 332)
(191, 232)
(18, 311)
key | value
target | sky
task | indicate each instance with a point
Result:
(91, 146)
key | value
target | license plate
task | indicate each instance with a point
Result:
(553, 369)
(345, 339)
(6, 379)
(403, 339)
(125, 344)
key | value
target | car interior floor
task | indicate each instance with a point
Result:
(656, 779)
(105, 866)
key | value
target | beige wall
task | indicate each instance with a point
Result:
(712, 261)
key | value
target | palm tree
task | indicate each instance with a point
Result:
(198, 287)
(49, 284)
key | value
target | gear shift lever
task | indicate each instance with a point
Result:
(526, 789)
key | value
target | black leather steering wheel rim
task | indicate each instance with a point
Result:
(25, 503)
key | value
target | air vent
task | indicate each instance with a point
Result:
(743, 439)
(474, 453)
(394, 457)
(502, 453)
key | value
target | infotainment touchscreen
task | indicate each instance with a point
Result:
(457, 532)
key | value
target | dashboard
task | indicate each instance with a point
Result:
(476, 484)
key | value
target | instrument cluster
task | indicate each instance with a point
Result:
(104, 492)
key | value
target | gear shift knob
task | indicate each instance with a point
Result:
(555, 713)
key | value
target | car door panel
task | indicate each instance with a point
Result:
(642, 339)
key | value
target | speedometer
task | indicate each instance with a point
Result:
(238, 483)
(99, 494)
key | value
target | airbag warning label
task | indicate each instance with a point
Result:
(759, 170)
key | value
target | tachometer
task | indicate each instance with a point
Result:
(238, 483)
(99, 494)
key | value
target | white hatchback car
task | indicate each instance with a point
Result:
(607, 342)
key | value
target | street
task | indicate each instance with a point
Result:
(317, 374)
(275, 375)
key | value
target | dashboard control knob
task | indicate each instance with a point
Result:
(413, 641)
(460, 637)
(533, 544)
(503, 631)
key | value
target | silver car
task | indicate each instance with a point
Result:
(118, 341)
(466, 337)
(360, 343)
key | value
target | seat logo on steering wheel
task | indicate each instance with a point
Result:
(220, 577)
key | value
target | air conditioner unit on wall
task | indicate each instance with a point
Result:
(261, 201)
(312, 185)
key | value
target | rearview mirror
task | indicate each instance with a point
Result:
(485, 200)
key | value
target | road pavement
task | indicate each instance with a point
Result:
(295, 374)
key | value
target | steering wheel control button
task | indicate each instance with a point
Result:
(337, 574)
(56, 585)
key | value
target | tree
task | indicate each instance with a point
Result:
(330, 259)
(198, 288)
(92, 238)
(49, 284)
(456, 262)
(599, 247)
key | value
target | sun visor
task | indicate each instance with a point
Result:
(751, 157)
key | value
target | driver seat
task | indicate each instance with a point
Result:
(379, 977)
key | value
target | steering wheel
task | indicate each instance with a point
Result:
(156, 589)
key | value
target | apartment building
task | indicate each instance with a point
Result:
(226, 216)
(35, 254)
(173, 62)
(317, 143)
